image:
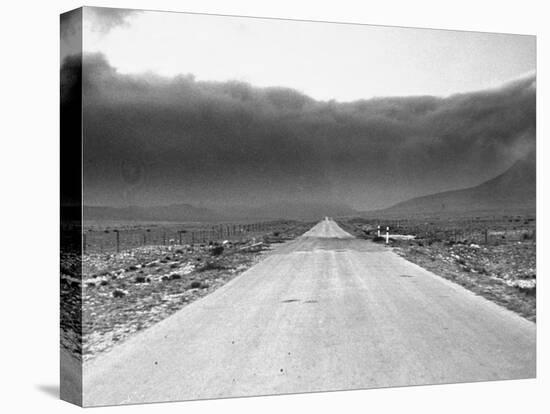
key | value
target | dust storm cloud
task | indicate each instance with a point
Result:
(154, 140)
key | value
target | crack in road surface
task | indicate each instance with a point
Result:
(368, 329)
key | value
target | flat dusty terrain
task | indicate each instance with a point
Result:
(323, 312)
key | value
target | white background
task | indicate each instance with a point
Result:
(30, 189)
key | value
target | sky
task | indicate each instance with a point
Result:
(326, 61)
(217, 111)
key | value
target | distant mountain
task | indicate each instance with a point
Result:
(174, 212)
(291, 210)
(515, 189)
(186, 212)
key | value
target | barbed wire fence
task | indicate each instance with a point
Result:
(117, 240)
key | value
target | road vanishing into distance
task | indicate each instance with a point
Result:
(325, 311)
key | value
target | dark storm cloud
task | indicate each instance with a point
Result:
(70, 23)
(188, 141)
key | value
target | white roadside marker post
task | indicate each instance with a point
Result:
(387, 235)
(378, 231)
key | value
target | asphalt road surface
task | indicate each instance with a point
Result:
(323, 312)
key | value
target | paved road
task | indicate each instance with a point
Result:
(323, 312)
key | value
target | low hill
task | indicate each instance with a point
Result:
(174, 212)
(295, 210)
(513, 190)
(185, 212)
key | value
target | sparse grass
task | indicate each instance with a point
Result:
(118, 293)
(170, 277)
(197, 284)
(140, 279)
(211, 265)
(216, 250)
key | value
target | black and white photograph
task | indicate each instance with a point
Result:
(275, 207)
(254, 206)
